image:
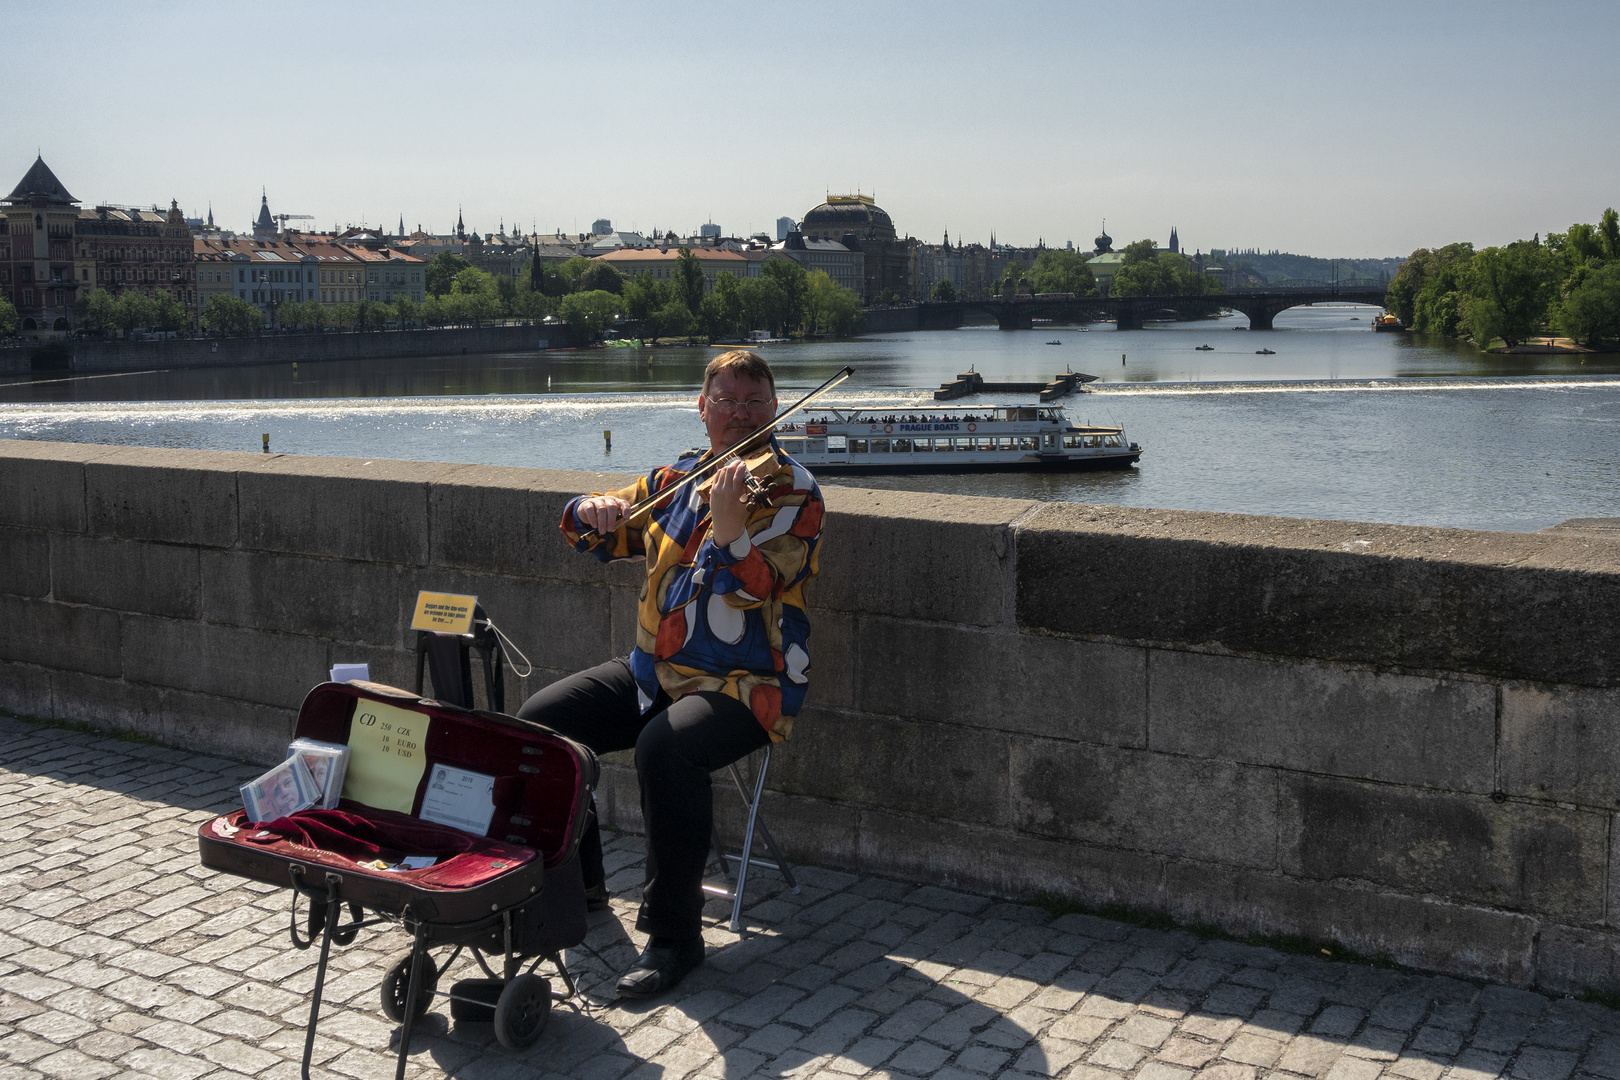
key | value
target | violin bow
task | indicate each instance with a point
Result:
(702, 472)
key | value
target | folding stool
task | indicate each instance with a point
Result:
(746, 858)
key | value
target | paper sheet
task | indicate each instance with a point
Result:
(458, 798)
(387, 756)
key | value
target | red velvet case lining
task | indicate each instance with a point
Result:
(344, 839)
(540, 789)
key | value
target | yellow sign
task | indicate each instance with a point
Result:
(444, 612)
(387, 756)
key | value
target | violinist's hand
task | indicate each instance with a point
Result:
(728, 508)
(603, 513)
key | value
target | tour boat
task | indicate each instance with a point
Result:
(850, 440)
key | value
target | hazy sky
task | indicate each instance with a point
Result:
(1333, 129)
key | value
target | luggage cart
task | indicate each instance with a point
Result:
(514, 894)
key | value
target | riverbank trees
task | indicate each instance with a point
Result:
(1146, 271)
(1568, 283)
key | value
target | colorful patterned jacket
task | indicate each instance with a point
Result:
(728, 619)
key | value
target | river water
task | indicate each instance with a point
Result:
(1340, 423)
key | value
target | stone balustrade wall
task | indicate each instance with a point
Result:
(1404, 739)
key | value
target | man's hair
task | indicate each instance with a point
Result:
(741, 362)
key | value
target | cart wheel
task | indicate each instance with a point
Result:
(522, 1010)
(397, 984)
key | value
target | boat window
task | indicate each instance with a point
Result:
(986, 442)
(1093, 441)
(857, 446)
(816, 446)
(1113, 440)
(1049, 440)
(792, 446)
(1004, 443)
(835, 444)
(1071, 442)
(902, 446)
(963, 444)
(1027, 442)
(880, 446)
(923, 446)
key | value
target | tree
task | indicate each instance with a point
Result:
(722, 308)
(443, 270)
(1511, 288)
(345, 314)
(1146, 271)
(8, 317)
(96, 312)
(943, 291)
(474, 296)
(231, 316)
(587, 314)
(433, 313)
(1426, 293)
(674, 319)
(1591, 312)
(644, 295)
(763, 305)
(1062, 271)
(133, 311)
(1011, 274)
(531, 305)
(601, 276)
(829, 307)
(689, 279)
(407, 309)
(794, 282)
(169, 313)
(571, 271)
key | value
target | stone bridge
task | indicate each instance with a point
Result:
(1128, 312)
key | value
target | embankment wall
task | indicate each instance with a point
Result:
(287, 348)
(1406, 739)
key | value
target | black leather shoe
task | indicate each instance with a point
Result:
(596, 897)
(660, 968)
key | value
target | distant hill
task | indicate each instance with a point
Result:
(1281, 268)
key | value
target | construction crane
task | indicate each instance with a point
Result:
(284, 218)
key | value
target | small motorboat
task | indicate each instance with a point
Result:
(1265, 352)
(1206, 348)
(1054, 342)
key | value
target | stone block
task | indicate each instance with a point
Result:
(1519, 856)
(558, 624)
(340, 599)
(125, 575)
(833, 659)
(42, 483)
(1571, 959)
(1457, 939)
(256, 733)
(1145, 801)
(1561, 743)
(916, 555)
(1324, 718)
(933, 769)
(1062, 688)
(1003, 863)
(25, 690)
(177, 496)
(247, 665)
(504, 521)
(376, 510)
(809, 831)
(1532, 606)
(112, 704)
(623, 608)
(25, 561)
(63, 636)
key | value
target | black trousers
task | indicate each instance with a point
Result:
(677, 746)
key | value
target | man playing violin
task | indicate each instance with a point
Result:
(721, 661)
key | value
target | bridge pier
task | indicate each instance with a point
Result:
(1014, 317)
(1127, 316)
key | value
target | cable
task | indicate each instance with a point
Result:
(511, 647)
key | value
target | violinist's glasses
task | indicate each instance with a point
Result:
(734, 405)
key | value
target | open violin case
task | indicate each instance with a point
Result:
(514, 892)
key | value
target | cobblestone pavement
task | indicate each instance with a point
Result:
(121, 956)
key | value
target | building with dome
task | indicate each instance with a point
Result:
(857, 222)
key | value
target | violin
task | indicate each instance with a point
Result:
(754, 448)
(761, 465)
